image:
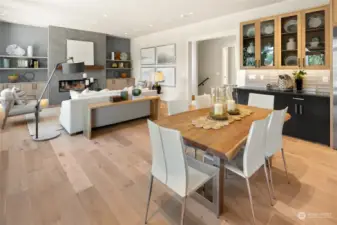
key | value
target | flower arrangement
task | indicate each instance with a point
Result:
(299, 75)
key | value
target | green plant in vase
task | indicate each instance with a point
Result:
(299, 76)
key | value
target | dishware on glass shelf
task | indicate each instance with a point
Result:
(291, 60)
(291, 44)
(250, 61)
(268, 29)
(290, 26)
(251, 48)
(13, 78)
(314, 42)
(124, 56)
(315, 21)
(250, 32)
(313, 60)
(6, 63)
(30, 51)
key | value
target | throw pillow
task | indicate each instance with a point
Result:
(7, 93)
(19, 96)
(74, 94)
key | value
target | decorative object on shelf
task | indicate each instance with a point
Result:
(158, 77)
(13, 78)
(147, 73)
(6, 63)
(36, 64)
(166, 54)
(315, 60)
(291, 44)
(120, 65)
(117, 56)
(291, 60)
(268, 29)
(299, 76)
(251, 48)
(32, 63)
(124, 95)
(22, 63)
(250, 61)
(112, 55)
(124, 75)
(250, 32)
(314, 42)
(290, 26)
(148, 56)
(114, 65)
(126, 65)
(315, 21)
(284, 82)
(268, 55)
(168, 77)
(115, 98)
(30, 51)
(28, 76)
(136, 92)
(124, 56)
(231, 106)
(15, 50)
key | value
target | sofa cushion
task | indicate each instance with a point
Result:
(74, 94)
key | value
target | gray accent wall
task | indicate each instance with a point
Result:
(24, 36)
(58, 52)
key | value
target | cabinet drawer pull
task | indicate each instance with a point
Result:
(301, 99)
(303, 62)
(298, 62)
(301, 109)
(295, 108)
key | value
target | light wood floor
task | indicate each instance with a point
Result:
(73, 181)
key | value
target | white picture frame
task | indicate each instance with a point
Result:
(147, 73)
(148, 56)
(81, 51)
(169, 76)
(166, 54)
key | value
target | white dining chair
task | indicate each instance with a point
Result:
(253, 157)
(177, 106)
(172, 167)
(274, 140)
(261, 101)
(203, 101)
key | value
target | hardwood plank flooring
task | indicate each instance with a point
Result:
(74, 181)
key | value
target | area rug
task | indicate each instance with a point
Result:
(49, 120)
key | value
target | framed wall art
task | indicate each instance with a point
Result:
(147, 73)
(169, 76)
(166, 54)
(148, 56)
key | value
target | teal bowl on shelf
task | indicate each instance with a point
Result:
(136, 92)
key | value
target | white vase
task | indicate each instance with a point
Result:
(30, 51)
(251, 48)
(291, 45)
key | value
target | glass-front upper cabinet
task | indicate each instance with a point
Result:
(315, 38)
(248, 45)
(267, 43)
(290, 39)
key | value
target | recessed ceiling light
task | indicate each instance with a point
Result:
(2, 14)
(186, 15)
(105, 15)
(150, 25)
(126, 33)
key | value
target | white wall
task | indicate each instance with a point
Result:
(218, 27)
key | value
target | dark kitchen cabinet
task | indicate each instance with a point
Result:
(310, 114)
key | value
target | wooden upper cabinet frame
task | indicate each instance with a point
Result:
(276, 45)
(333, 11)
(255, 23)
(298, 41)
(327, 44)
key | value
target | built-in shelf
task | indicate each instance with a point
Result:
(111, 60)
(88, 67)
(23, 57)
(23, 68)
(119, 68)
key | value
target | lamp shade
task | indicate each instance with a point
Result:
(159, 76)
(69, 68)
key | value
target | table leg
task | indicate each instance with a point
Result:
(154, 109)
(87, 123)
(218, 186)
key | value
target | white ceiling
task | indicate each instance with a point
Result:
(129, 18)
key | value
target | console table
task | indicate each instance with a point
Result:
(90, 114)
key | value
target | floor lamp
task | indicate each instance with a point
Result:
(67, 68)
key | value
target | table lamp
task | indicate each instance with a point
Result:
(67, 68)
(158, 77)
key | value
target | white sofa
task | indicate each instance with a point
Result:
(72, 111)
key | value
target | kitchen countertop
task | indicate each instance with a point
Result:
(276, 91)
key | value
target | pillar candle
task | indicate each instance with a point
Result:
(85, 76)
(91, 80)
(231, 105)
(218, 109)
(86, 82)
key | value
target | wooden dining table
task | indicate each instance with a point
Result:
(223, 143)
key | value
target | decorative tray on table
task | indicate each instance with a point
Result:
(234, 112)
(218, 117)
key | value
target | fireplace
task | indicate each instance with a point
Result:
(75, 85)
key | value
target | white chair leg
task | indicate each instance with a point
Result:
(285, 165)
(271, 177)
(250, 199)
(183, 206)
(149, 198)
(267, 180)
